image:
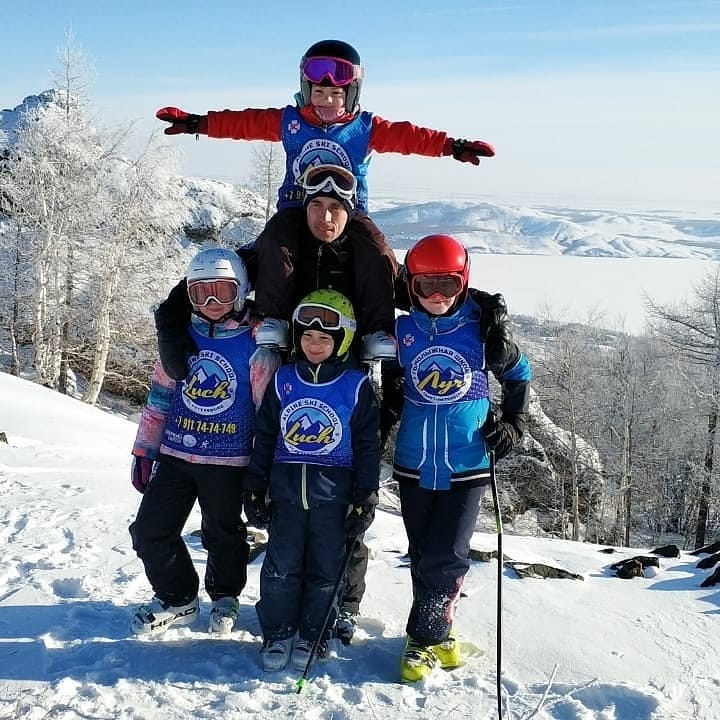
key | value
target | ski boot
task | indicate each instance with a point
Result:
(276, 654)
(157, 616)
(272, 333)
(417, 662)
(345, 626)
(223, 614)
(448, 652)
(301, 653)
(378, 346)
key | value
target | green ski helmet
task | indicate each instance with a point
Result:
(330, 312)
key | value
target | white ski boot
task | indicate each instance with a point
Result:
(378, 346)
(157, 616)
(301, 653)
(223, 614)
(276, 654)
(273, 333)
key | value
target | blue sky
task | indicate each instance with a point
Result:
(586, 102)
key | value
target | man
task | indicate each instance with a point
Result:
(333, 252)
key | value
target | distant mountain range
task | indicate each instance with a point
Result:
(483, 226)
(491, 228)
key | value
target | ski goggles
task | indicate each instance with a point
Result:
(329, 178)
(339, 72)
(323, 315)
(221, 291)
(448, 285)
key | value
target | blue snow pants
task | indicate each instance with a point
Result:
(304, 556)
(439, 526)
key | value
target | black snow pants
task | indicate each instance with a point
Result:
(157, 530)
(439, 526)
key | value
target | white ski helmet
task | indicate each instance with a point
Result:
(220, 264)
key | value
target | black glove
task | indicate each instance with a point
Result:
(362, 512)
(256, 509)
(502, 435)
(468, 150)
(182, 122)
(175, 345)
(495, 329)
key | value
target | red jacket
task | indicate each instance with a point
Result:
(385, 136)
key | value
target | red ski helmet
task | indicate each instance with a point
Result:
(334, 50)
(437, 263)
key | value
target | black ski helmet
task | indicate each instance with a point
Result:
(342, 51)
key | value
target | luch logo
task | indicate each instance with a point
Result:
(310, 427)
(211, 386)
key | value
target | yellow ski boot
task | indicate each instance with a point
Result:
(448, 652)
(417, 662)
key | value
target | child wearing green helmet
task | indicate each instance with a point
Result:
(316, 457)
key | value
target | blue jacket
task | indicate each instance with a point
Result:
(350, 461)
(345, 144)
(440, 443)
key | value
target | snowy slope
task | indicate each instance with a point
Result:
(642, 649)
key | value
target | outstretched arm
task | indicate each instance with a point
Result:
(409, 139)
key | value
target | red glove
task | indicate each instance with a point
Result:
(182, 122)
(141, 472)
(467, 150)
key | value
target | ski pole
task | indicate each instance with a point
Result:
(336, 589)
(499, 529)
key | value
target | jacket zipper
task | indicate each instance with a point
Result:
(303, 471)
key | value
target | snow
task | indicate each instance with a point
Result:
(641, 649)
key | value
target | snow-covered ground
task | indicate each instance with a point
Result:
(642, 649)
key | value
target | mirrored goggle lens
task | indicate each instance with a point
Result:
(426, 286)
(326, 317)
(222, 291)
(339, 72)
(323, 179)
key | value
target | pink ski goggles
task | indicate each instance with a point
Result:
(339, 72)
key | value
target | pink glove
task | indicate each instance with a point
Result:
(182, 122)
(467, 150)
(141, 472)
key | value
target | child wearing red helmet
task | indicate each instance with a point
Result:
(446, 436)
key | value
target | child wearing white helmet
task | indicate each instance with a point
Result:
(193, 443)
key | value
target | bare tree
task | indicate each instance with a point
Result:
(266, 173)
(142, 210)
(84, 208)
(565, 379)
(693, 329)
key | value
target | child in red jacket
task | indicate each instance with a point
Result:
(325, 126)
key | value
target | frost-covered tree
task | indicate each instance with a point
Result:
(692, 330)
(267, 170)
(565, 376)
(82, 211)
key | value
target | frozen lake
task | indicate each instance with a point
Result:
(571, 287)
